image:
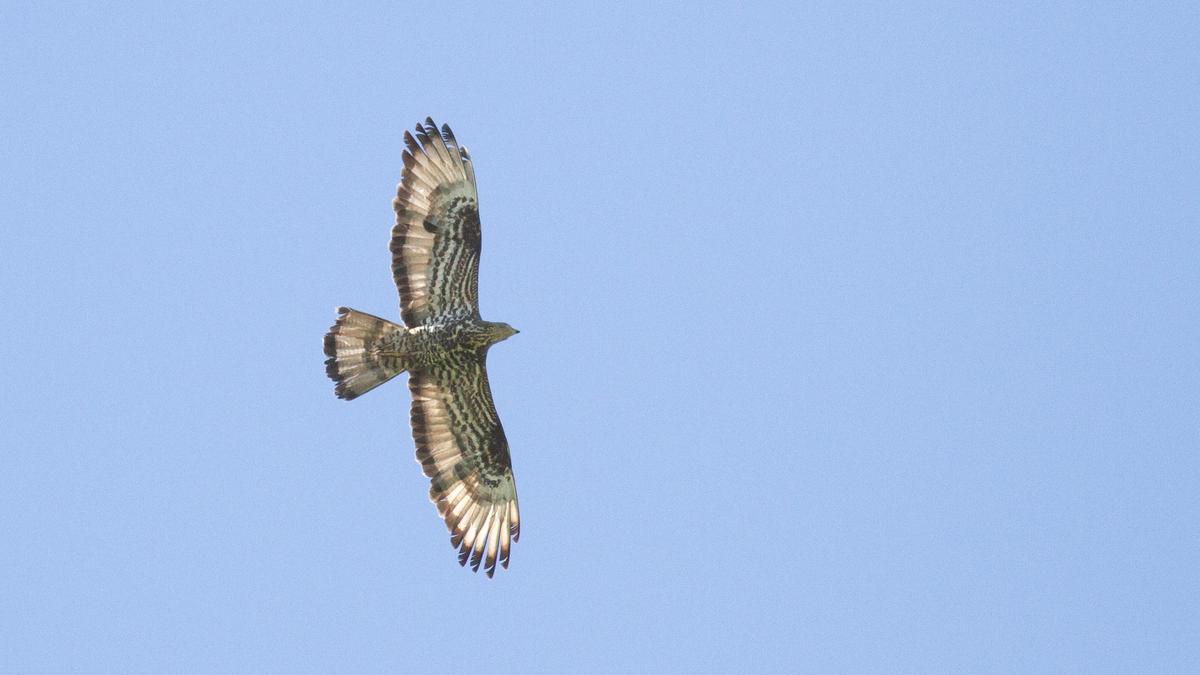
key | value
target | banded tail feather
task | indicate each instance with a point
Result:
(357, 364)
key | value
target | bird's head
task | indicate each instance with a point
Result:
(502, 331)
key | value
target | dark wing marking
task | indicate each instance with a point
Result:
(462, 448)
(435, 243)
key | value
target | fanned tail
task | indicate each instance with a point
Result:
(355, 363)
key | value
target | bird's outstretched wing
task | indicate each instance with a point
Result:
(462, 448)
(435, 243)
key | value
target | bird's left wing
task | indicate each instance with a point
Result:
(462, 448)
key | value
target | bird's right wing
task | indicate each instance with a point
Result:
(436, 240)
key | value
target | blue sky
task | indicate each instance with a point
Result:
(853, 339)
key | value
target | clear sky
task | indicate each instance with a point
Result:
(852, 339)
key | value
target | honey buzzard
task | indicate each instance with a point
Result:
(443, 348)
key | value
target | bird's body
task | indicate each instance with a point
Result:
(435, 263)
(438, 344)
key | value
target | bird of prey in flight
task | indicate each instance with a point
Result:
(443, 347)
